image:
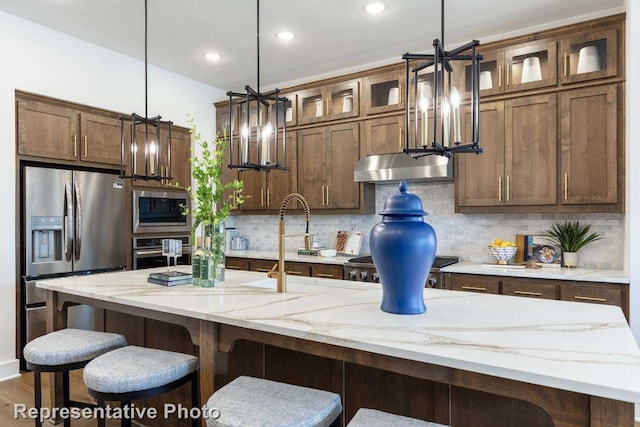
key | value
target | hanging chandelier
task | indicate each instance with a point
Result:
(262, 142)
(431, 80)
(145, 138)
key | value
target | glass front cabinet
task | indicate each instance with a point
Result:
(338, 101)
(589, 55)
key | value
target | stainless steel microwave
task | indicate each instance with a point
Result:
(160, 211)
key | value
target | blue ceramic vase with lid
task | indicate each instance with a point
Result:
(403, 248)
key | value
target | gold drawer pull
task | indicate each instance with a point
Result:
(508, 188)
(268, 197)
(581, 298)
(566, 185)
(508, 75)
(262, 197)
(328, 195)
(499, 188)
(499, 76)
(233, 267)
(323, 195)
(400, 138)
(294, 273)
(330, 276)
(75, 145)
(262, 270)
(533, 294)
(474, 288)
(86, 151)
(564, 63)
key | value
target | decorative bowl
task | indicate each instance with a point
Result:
(328, 252)
(502, 254)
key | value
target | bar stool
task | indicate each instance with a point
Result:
(63, 351)
(132, 373)
(248, 401)
(373, 418)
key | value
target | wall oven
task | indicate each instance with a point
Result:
(147, 252)
(160, 211)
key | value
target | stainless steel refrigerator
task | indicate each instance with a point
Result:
(73, 222)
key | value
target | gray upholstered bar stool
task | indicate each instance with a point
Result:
(132, 373)
(373, 418)
(63, 351)
(248, 401)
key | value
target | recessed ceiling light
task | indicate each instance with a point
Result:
(375, 7)
(212, 56)
(284, 35)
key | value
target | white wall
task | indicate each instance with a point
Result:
(43, 61)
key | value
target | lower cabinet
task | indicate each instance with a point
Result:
(565, 290)
(327, 271)
(309, 269)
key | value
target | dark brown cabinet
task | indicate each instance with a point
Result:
(531, 65)
(474, 283)
(321, 270)
(589, 55)
(589, 146)
(337, 101)
(383, 92)
(100, 139)
(383, 135)
(327, 157)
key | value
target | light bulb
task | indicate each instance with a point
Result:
(245, 130)
(446, 107)
(455, 97)
(152, 147)
(266, 131)
(134, 148)
(424, 104)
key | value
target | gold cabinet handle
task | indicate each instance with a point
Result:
(294, 272)
(400, 138)
(330, 276)
(508, 67)
(581, 298)
(565, 64)
(328, 103)
(75, 145)
(328, 203)
(85, 146)
(508, 190)
(262, 197)
(499, 188)
(232, 267)
(474, 288)
(263, 270)
(533, 294)
(268, 197)
(323, 195)
(499, 76)
(566, 185)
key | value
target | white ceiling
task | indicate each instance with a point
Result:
(330, 34)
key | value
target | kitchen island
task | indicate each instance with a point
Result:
(570, 364)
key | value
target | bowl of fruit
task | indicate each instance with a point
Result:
(502, 250)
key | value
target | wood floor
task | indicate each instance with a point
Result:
(20, 390)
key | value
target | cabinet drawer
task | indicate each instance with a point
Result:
(473, 283)
(529, 289)
(262, 265)
(297, 269)
(596, 294)
(237, 263)
(327, 271)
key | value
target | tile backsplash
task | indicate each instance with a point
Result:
(464, 235)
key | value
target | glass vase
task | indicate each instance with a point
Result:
(212, 258)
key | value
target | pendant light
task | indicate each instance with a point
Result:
(149, 129)
(439, 96)
(262, 124)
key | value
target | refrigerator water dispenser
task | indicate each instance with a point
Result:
(46, 238)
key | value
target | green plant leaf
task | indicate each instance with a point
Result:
(570, 236)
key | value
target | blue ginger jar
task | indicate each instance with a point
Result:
(403, 248)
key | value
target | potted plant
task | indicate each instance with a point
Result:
(211, 205)
(570, 237)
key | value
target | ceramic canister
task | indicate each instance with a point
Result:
(403, 248)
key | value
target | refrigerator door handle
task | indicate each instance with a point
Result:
(68, 221)
(78, 228)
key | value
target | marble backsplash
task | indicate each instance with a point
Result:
(464, 235)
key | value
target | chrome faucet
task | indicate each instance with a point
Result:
(278, 270)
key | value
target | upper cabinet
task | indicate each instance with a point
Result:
(337, 101)
(383, 92)
(589, 55)
(530, 66)
(491, 71)
(288, 110)
(56, 132)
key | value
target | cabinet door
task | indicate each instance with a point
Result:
(343, 100)
(342, 192)
(383, 93)
(100, 139)
(288, 111)
(593, 293)
(384, 135)
(474, 283)
(297, 268)
(479, 179)
(589, 55)
(531, 288)
(236, 263)
(228, 174)
(588, 134)
(313, 158)
(281, 183)
(223, 120)
(47, 131)
(180, 157)
(254, 185)
(138, 166)
(532, 65)
(327, 271)
(530, 151)
(491, 75)
(312, 107)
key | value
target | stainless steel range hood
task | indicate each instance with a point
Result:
(393, 167)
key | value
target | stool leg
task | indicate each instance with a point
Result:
(37, 394)
(101, 419)
(126, 421)
(65, 396)
(195, 422)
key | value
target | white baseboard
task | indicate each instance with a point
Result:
(9, 370)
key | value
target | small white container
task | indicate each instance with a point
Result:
(588, 60)
(347, 104)
(328, 252)
(485, 80)
(319, 109)
(394, 96)
(288, 115)
(531, 71)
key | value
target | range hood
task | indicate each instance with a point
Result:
(393, 167)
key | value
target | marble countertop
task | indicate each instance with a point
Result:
(580, 274)
(585, 348)
(290, 256)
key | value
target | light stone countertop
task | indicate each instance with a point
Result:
(584, 348)
(579, 274)
(290, 256)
